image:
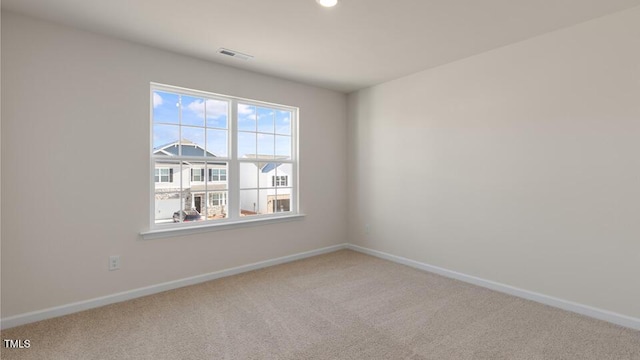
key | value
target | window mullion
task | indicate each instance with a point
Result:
(295, 193)
(233, 178)
(182, 198)
(204, 202)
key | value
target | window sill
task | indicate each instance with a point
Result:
(223, 225)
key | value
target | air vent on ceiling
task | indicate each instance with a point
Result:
(235, 54)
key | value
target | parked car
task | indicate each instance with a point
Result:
(191, 215)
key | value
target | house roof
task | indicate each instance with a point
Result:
(189, 148)
(265, 166)
(269, 167)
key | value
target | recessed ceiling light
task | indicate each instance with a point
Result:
(327, 3)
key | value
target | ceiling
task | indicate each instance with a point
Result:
(358, 43)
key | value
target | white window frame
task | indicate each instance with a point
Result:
(233, 170)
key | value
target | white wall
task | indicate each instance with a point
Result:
(76, 112)
(520, 165)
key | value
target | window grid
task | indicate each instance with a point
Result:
(229, 197)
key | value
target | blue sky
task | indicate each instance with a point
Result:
(262, 130)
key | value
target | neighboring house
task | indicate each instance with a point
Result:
(204, 190)
(276, 175)
(270, 191)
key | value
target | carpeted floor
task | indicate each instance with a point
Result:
(343, 305)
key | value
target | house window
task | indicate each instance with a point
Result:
(218, 198)
(238, 154)
(163, 175)
(279, 180)
(197, 174)
(281, 205)
(217, 174)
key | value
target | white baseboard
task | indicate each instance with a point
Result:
(612, 317)
(34, 316)
(600, 314)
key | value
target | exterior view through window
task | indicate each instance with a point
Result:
(218, 158)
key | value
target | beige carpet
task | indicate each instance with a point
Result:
(342, 305)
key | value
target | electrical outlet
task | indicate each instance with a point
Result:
(367, 229)
(114, 262)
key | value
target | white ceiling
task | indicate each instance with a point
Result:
(358, 43)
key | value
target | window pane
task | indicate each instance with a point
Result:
(248, 175)
(165, 139)
(253, 202)
(246, 145)
(265, 120)
(267, 172)
(166, 107)
(217, 143)
(283, 122)
(192, 141)
(217, 112)
(282, 201)
(167, 203)
(246, 117)
(266, 145)
(248, 202)
(283, 147)
(194, 191)
(167, 193)
(192, 111)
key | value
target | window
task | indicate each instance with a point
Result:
(218, 199)
(279, 180)
(163, 175)
(224, 158)
(197, 174)
(217, 175)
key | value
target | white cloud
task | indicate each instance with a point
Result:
(265, 115)
(197, 107)
(215, 109)
(283, 125)
(246, 109)
(157, 100)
